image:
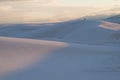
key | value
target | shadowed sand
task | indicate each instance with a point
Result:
(26, 59)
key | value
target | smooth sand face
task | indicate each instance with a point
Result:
(67, 61)
(110, 25)
(18, 58)
(16, 54)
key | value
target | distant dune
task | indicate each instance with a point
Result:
(114, 19)
(77, 31)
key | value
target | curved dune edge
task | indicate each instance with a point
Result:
(20, 55)
(17, 54)
(110, 25)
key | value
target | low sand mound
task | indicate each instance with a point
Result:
(18, 53)
(28, 59)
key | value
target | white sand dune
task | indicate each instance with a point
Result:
(18, 53)
(76, 31)
(71, 50)
(110, 25)
(26, 59)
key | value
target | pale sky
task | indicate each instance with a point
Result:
(95, 3)
(30, 11)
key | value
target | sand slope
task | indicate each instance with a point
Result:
(28, 59)
(71, 50)
(75, 31)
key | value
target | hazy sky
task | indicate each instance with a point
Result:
(25, 11)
